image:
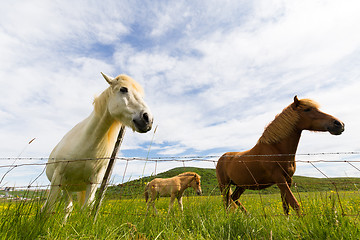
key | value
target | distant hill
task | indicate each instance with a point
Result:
(209, 184)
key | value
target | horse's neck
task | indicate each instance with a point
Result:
(288, 145)
(101, 132)
(185, 183)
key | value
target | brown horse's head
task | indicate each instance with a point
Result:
(311, 118)
(195, 184)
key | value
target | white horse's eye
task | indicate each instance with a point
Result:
(123, 90)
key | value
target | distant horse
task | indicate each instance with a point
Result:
(272, 159)
(79, 160)
(173, 187)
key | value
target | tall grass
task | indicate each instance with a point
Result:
(203, 218)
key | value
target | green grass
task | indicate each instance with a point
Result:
(203, 218)
(326, 214)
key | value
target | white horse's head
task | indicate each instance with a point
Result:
(126, 104)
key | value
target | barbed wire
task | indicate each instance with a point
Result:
(180, 158)
(187, 159)
(183, 160)
(136, 187)
(210, 158)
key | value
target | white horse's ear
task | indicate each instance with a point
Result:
(107, 78)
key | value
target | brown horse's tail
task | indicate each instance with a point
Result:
(146, 193)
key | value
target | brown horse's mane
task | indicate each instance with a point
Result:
(188, 174)
(285, 122)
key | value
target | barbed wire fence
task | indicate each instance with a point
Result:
(318, 163)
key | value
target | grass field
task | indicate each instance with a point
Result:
(204, 217)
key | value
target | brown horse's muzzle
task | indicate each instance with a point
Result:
(198, 192)
(336, 128)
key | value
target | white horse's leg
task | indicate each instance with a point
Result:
(52, 196)
(81, 197)
(90, 195)
(180, 204)
(172, 199)
(69, 207)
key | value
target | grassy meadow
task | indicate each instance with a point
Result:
(326, 213)
(204, 217)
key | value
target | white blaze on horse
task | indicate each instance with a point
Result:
(78, 162)
(171, 187)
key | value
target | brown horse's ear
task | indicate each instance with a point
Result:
(296, 101)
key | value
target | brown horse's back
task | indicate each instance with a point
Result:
(247, 169)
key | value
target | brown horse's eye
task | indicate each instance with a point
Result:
(307, 109)
(123, 90)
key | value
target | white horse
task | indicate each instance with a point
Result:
(78, 162)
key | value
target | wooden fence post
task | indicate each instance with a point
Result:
(101, 191)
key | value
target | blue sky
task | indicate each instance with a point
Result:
(215, 73)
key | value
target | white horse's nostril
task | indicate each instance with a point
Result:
(143, 122)
(146, 117)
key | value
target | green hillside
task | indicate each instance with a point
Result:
(209, 184)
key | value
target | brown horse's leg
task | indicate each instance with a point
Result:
(285, 204)
(224, 190)
(236, 195)
(283, 198)
(180, 204)
(224, 182)
(152, 200)
(172, 199)
(156, 211)
(226, 194)
(288, 198)
(148, 206)
(152, 203)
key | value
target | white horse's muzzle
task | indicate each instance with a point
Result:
(143, 122)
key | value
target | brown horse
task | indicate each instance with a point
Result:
(272, 160)
(173, 187)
